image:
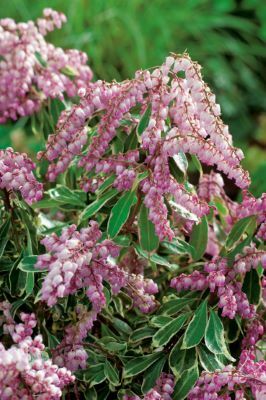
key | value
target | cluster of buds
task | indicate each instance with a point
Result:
(16, 175)
(249, 373)
(162, 391)
(33, 70)
(142, 292)
(184, 117)
(252, 206)
(75, 260)
(71, 352)
(221, 279)
(25, 373)
(140, 289)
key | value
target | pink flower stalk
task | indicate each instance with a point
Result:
(221, 279)
(184, 117)
(252, 206)
(210, 186)
(75, 260)
(33, 70)
(24, 371)
(71, 353)
(162, 391)
(16, 174)
(142, 292)
(140, 289)
(248, 374)
(133, 264)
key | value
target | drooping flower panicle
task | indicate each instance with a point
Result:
(33, 70)
(16, 174)
(25, 373)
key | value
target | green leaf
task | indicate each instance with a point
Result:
(29, 283)
(46, 202)
(117, 145)
(121, 326)
(199, 238)
(238, 230)
(183, 212)
(131, 141)
(90, 394)
(21, 283)
(40, 59)
(251, 286)
(163, 261)
(186, 383)
(53, 342)
(220, 205)
(120, 213)
(181, 360)
(208, 360)
(238, 249)
(115, 347)
(155, 258)
(196, 163)
(175, 171)
(123, 240)
(69, 71)
(142, 333)
(111, 373)
(140, 177)
(15, 306)
(13, 277)
(144, 121)
(112, 345)
(149, 241)
(32, 242)
(64, 195)
(140, 364)
(177, 246)
(152, 374)
(172, 307)
(4, 230)
(107, 183)
(181, 161)
(214, 336)
(27, 264)
(160, 321)
(95, 374)
(165, 334)
(96, 205)
(196, 328)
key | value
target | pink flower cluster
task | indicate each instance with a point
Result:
(183, 117)
(71, 352)
(140, 289)
(252, 206)
(142, 292)
(33, 70)
(75, 260)
(210, 188)
(248, 374)
(162, 391)
(25, 373)
(16, 175)
(221, 279)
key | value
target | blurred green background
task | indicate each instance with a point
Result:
(226, 37)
